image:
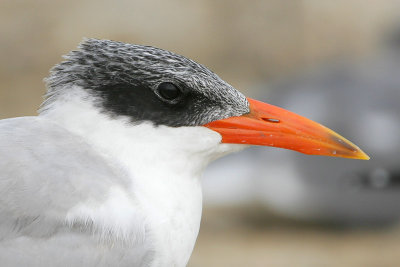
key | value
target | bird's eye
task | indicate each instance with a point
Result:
(169, 91)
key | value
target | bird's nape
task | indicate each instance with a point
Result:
(268, 125)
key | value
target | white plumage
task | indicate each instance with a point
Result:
(99, 191)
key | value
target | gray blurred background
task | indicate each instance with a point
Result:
(337, 62)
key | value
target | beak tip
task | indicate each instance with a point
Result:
(346, 148)
(356, 154)
(363, 156)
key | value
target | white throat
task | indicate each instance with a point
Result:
(163, 164)
(140, 146)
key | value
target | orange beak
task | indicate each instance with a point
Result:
(268, 125)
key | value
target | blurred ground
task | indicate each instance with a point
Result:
(253, 237)
(245, 42)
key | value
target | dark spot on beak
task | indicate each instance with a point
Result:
(342, 143)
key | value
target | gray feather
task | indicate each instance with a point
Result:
(46, 171)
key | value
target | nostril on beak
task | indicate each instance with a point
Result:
(271, 120)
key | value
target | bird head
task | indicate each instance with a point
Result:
(148, 84)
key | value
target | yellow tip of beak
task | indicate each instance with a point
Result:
(363, 156)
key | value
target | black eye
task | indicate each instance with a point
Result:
(168, 91)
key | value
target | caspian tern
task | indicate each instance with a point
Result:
(108, 173)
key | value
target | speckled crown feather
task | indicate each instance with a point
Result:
(99, 64)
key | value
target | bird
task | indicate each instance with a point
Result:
(108, 173)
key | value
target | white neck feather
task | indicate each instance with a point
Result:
(162, 162)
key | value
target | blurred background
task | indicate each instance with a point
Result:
(337, 62)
